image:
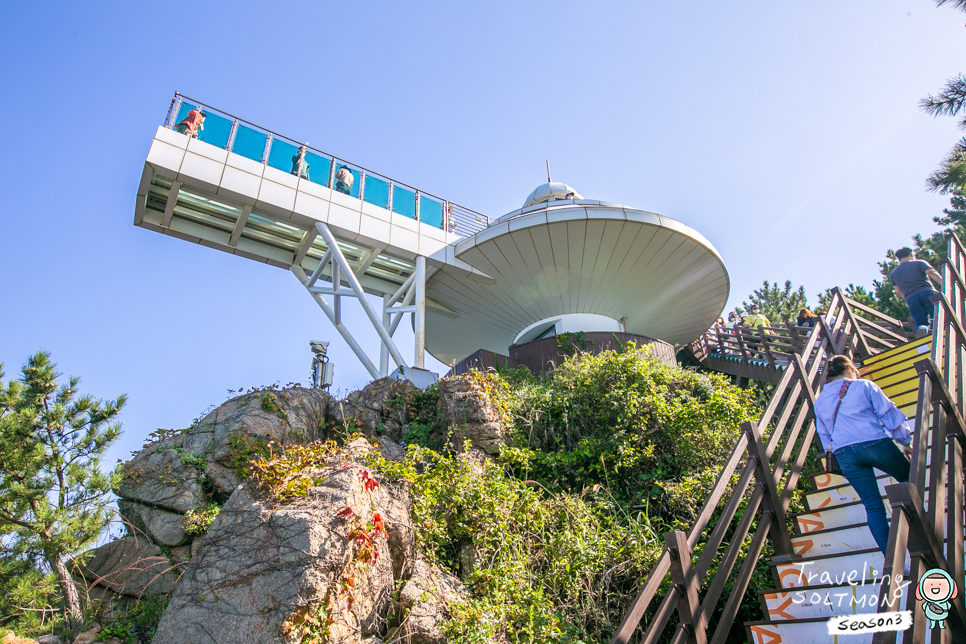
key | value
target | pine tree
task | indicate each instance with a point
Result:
(777, 304)
(54, 498)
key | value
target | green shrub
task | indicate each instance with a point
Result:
(138, 624)
(548, 567)
(652, 433)
(198, 520)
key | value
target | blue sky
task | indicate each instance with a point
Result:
(787, 133)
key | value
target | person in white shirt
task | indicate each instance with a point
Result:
(861, 426)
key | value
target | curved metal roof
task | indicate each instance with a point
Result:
(581, 256)
(550, 190)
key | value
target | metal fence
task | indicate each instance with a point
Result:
(288, 155)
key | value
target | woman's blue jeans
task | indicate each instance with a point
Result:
(857, 461)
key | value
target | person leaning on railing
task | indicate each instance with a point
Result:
(343, 179)
(192, 124)
(861, 426)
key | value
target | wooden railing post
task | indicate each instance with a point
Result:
(771, 503)
(687, 584)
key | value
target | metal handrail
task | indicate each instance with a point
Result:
(457, 219)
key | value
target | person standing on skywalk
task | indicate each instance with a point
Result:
(861, 426)
(910, 279)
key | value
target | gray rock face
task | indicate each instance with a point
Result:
(285, 416)
(379, 409)
(158, 477)
(264, 565)
(49, 639)
(130, 566)
(186, 471)
(464, 405)
(163, 527)
(426, 598)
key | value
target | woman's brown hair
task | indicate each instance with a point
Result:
(837, 366)
(805, 313)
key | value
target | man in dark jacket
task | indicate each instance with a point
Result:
(910, 279)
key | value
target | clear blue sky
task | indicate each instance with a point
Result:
(787, 133)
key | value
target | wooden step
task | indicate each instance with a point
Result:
(826, 601)
(841, 494)
(832, 517)
(834, 541)
(806, 631)
(833, 569)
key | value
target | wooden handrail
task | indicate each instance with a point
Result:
(789, 416)
(915, 528)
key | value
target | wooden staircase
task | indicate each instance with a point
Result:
(826, 563)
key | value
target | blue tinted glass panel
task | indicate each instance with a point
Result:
(216, 130)
(284, 156)
(319, 167)
(377, 192)
(430, 211)
(404, 201)
(356, 181)
(249, 143)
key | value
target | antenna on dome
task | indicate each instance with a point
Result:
(549, 180)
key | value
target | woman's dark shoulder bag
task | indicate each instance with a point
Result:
(832, 463)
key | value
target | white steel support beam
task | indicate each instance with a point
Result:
(344, 332)
(338, 259)
(419, 325)
(367, 260)
(239, 226)
(383, 350)
(336, 298)
(307, 240)
(405, 303)
(171, 203)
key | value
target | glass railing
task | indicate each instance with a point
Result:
(285, 154)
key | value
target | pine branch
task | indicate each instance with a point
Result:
(950, 176)
(958, 4)
(950, 100)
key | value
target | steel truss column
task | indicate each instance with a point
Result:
(329, 313)
(419, 316)
(393, 306)
(383, 351)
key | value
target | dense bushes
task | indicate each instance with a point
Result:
(654, 435)
(604, 455)
(541, 567)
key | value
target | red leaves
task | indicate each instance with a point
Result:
(345, 513)
(377, 524)
(369, 482)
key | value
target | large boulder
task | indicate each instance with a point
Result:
(266, 566)
(189, 469)
(466, 407)
(227, 437)
(426, 598)
(165, 528)
(378, 410)
(159, 476)
(130, 566)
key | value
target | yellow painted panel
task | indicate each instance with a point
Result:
(897, 355)
(892, 353)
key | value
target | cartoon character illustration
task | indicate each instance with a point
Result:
(936, 589)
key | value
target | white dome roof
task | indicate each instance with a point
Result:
(552, 190)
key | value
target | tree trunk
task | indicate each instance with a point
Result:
(72, 602)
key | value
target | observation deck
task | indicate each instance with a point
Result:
(561, 263)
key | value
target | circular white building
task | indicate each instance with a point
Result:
(566, 264)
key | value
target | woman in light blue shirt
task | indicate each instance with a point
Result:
(862, 426)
